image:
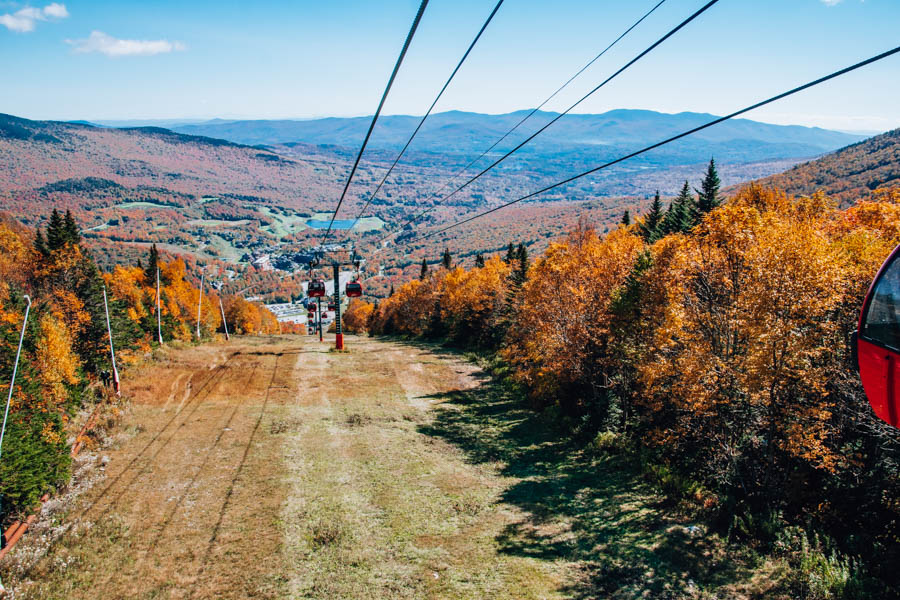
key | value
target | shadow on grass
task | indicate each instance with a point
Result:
(598, 512)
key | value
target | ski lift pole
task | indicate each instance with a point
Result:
(158, 310)
(112, 350)
(319, 317)
(12, 381)
(200, 303)
(224, 322)
(339, 336)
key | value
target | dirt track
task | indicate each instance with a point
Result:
(273, 468)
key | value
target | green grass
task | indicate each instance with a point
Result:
(283, 225)
(591, 507)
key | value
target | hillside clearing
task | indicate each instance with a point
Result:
(273, 468)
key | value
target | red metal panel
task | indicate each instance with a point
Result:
(878, 369)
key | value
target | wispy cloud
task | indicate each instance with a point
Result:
(110, 46)
(831, 2)
(25, 19)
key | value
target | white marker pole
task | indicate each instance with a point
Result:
(112, 350)
(199, 303)
(158, 310)
(224, 322)
(12, 383)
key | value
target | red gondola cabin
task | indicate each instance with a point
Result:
(316, 289)
(353, 289)
(877, 342)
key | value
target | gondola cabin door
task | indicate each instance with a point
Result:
(878, 342)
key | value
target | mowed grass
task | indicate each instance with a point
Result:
(389, 471)
(380, 509)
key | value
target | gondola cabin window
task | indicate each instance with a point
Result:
(882, 321)
(878, 344)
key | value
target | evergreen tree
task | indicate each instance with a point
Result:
(520, 273)
(479, 260)
(70, 229)
(626, 218)
(56, 231)
(681, 214)
(510, 254)
(391, 293)
(152, 264)
(40, 243)
(709, 191)
(650, 229)
(446, 259)
(424, 273)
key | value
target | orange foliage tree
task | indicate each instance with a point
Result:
(356, 318)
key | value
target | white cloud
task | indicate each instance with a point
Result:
(25, 19)
(56, 10)
(831, 2)
(110, 46)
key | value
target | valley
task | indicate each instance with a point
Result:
(225, 203)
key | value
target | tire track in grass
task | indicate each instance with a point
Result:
(221, 371)
(227, 427)
(214, 378)
(230, 491)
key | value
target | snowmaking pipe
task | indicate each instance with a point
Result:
(158, 310)
(224, 322)
(200, 303)
(112, 350)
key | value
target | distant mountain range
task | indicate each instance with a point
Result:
(578, 138)
(849, 174)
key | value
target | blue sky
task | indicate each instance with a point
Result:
(297, 59)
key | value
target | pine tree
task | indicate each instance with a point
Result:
(681, 214)
(56, 234)
(510, 254)
(446, 259)
(152, 264)
(650, 228)
(626, 218)
(521, 270)
(70, 229)
(391, 293)
(709, 191)
(479, 261)
(40, 243)
(424, 273)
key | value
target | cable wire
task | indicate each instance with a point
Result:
(409, 37)
(716, 121)
(677, 28)
(528, 116)
(431, 108)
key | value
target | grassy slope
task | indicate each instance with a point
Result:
(392, 471)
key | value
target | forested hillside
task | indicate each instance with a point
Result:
(710, 343)
(848, 174)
